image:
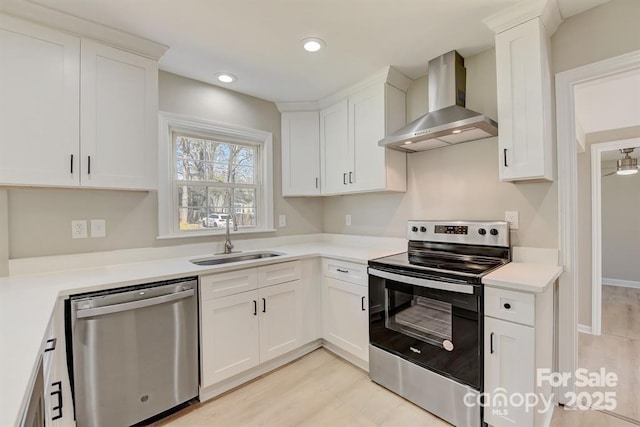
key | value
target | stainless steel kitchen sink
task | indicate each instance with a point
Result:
(229, 258)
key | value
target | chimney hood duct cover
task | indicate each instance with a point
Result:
(447, 122)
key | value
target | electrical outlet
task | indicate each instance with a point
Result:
(98, 228)
(512, 218)
(347, 220)
(282, 221)
(79, 229)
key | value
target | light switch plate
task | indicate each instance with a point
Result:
(98, 228)
(347, 220)
(79, 229)
(282, 221)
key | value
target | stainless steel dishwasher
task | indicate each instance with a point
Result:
(135, 352)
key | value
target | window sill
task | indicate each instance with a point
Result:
(222, 232)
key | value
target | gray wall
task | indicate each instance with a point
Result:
(40, 219)
(620, 227)
(457, 182)
(603, 32)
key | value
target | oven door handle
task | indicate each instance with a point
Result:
(425, 283)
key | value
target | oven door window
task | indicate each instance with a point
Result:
(420, 317)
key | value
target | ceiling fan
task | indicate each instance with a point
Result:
(627, 165)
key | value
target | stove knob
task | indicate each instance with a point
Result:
(493, 232)
(414, 229)
(423, 229)
(482, 232)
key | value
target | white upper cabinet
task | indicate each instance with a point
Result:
(300, 153)
(350, 125)
(335, 154)
(74, 112)
(358, 164)
(39, 105)
(524, 97)
(119, 103)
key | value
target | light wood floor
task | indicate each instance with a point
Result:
(321, 389)
(618, 348)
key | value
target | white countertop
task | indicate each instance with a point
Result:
(27, 303)
(522, 276)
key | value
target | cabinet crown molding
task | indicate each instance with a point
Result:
(74, 25)
(292, 107)
(546, 10)
(387, 74)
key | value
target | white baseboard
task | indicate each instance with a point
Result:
(584, 329)
(621, 283)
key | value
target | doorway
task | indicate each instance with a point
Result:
(575, 212)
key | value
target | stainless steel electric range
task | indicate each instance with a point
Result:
(426, 315)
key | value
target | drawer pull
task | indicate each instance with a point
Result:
(491, 342)
(339, 270)
(255, 307)
(58, 393)
(362, 305)
(51, 347)
(264, 305)
(507, 306)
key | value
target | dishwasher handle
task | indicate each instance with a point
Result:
(117, 308)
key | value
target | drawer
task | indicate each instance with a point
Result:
(224, 284)
(513, 306)
(278, 273)
(347, 271)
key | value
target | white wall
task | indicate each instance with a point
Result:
(620, 226)
(457, 182)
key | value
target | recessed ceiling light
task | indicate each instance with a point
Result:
(313, 44)
(456, 131)
(408, 142)
(226, 77)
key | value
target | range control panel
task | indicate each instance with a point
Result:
(490, 233)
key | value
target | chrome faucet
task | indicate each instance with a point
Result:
(228, 246)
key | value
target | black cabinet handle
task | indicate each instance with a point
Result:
(491, 342)
(350, 177)
(58, 393)
(317, 182)
(505, 158)
(344, 178)
(88, 165)
(362, 305)
(71, 165)
(264, 305)
(339, 270)
(53, 342)
(507, 306)
(255, 307)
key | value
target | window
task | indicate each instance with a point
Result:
(214, 173)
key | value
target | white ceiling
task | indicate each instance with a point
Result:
(259, 40)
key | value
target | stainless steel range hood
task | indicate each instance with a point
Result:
(447, 122)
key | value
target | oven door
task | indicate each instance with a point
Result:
(435, 324)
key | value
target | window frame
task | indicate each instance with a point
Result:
(168, 123)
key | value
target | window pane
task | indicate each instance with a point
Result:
(192, 207)
(245, 207)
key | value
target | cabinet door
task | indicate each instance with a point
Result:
(524, 100)
(336, 156)
(301, 154)
(39, 105)
(119, 105)
(345, 316)
(508, 365)
(229, 336)
(279, 319)
(367, 122)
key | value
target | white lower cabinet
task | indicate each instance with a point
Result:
(345, 308)
(518, 342)
(243, 330)
(229, 331)
(508, 366)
